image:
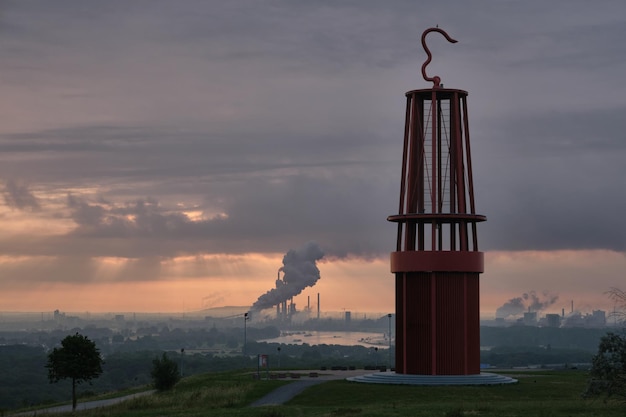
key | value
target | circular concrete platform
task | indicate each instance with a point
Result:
(484, 378)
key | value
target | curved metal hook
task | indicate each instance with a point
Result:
(435, 80)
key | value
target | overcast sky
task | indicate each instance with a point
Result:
(175, 141)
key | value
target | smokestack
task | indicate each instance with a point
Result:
(318, 306)
(563, 312)
(308, 303)
(279, 284)
(572, 306)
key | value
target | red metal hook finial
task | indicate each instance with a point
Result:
(435, 80)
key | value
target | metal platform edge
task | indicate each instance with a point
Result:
(484, 378)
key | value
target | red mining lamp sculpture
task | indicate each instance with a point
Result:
(437, 262)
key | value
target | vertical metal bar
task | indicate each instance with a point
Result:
(420, 171)
(433, 147)
(404, 169)
(470, 178)
(440, 126)
(461, 182)
(405, 149)
(414, 167)
(453, 171)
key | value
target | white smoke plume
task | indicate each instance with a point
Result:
(528, 301)
(299, 271)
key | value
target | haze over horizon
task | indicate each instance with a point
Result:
(165, 156)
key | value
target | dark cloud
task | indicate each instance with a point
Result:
(282, 122)
(77, 269)
(19, 196)
(143, 218)
(258, 215)
(561, 172)
(565, 133)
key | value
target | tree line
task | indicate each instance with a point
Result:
(129, 362)
(25, 379)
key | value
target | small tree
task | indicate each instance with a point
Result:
(608, 371)
(77, 359)
(164, 373)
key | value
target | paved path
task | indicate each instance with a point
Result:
(285, 393)
(82, 406)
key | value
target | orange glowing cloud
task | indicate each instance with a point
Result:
(193, 283)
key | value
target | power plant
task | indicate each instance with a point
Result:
(286, 309)
(299, 271)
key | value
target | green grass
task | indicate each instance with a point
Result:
(215, 394)
(538, 394)
(85, 398)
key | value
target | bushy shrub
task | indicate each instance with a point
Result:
(164, 373)
(608, 372)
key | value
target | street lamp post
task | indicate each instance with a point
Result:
(389, 335)
(182, 353)
(245, 325)
(376, 357)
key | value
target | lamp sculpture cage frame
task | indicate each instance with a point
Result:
(437, 262)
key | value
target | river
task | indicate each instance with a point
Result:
(297, 337)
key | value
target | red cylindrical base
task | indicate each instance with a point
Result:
(449, 261)
(437, 323)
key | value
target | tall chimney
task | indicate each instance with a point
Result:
(318, 306)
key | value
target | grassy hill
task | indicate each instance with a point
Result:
(538, 393)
